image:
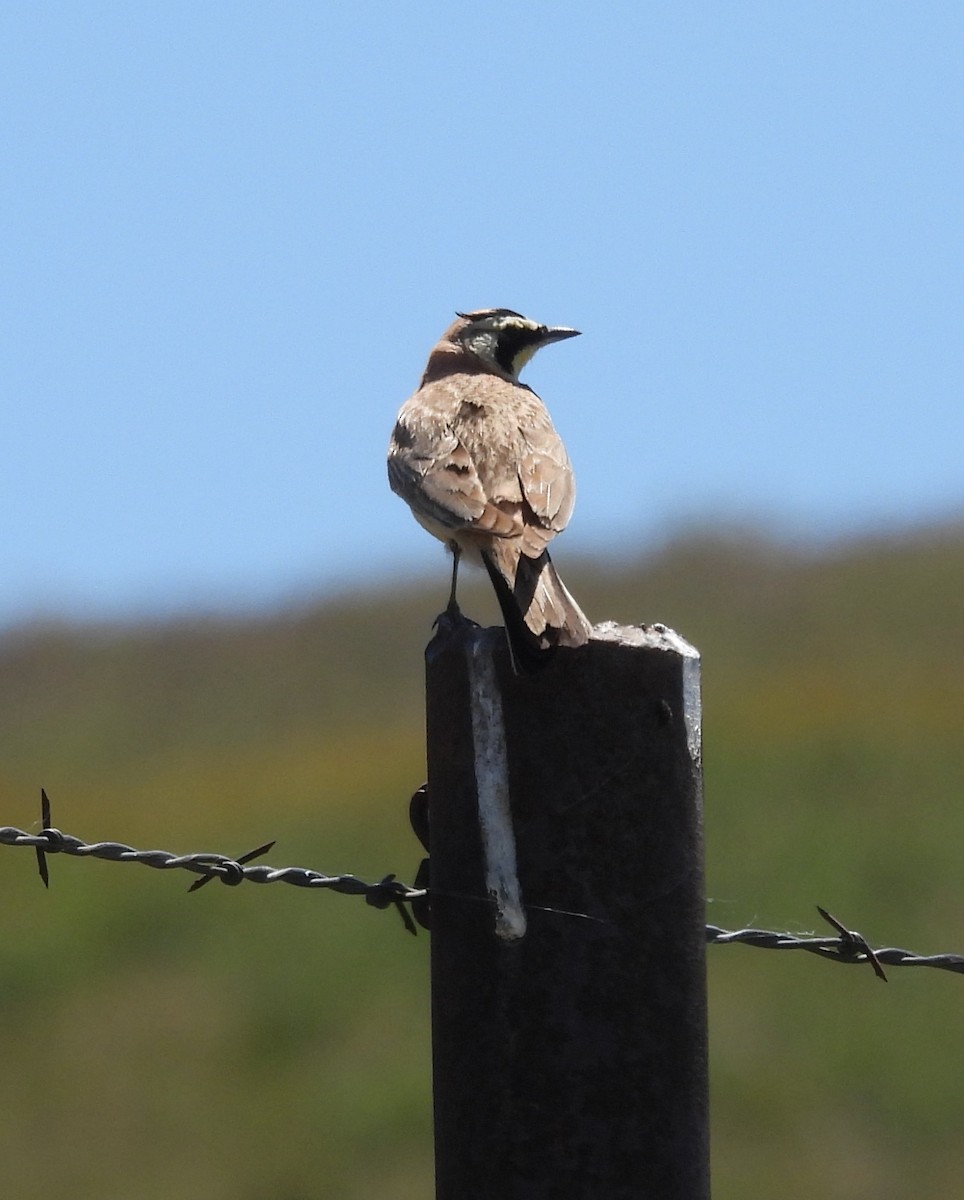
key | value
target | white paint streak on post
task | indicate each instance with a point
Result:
(492, 789)
(693, 706)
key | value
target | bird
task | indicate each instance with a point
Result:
(475, 456)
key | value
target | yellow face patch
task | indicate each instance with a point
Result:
(513, 330)
(522, 356)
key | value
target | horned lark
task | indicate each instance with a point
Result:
(476, 458)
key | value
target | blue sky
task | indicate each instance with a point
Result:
(231, 232)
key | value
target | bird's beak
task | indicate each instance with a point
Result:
(558, 333)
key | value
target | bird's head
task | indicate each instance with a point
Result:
(501, 340)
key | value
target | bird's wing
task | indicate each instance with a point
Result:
(433, 472)
(545, 475)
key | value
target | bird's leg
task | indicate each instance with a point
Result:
(453, 605)
(451, 621)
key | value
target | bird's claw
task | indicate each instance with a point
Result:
(451, 618)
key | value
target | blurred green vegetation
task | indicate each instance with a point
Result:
(274, 1043)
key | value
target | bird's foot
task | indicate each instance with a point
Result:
(451, 617)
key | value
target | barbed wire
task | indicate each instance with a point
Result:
(230, 870)
(847, 947)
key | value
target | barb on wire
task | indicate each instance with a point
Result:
(847, 947)
(231, 876)
(41, 857)
(854, 944)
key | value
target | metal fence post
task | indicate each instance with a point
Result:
(568, 973)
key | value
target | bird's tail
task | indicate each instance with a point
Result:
(538, 611)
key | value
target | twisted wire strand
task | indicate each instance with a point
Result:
(229, 870)
(837, 949)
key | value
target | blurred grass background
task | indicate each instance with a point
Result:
(274, 1043)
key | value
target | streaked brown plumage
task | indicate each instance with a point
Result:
(476, 458)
